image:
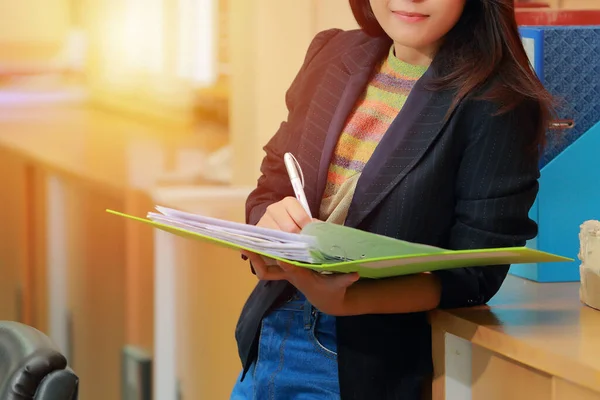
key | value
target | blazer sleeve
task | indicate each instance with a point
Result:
(273, 184)
(497, 184)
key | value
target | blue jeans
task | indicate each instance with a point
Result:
(297, 357)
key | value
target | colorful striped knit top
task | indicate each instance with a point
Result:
(382, 100)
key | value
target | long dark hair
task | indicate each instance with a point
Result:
(483, 54)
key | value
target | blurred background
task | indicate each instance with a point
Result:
(124, 104)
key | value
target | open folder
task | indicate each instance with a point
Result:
(332, 248)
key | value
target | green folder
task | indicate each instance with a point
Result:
(376, 256)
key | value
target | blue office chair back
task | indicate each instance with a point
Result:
(31, 366)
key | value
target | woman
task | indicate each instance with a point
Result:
(426, 126)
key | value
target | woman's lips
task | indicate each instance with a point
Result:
(410, 17)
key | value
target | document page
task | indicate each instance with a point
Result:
(293, 246)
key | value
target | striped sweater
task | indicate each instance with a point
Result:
(379, 105)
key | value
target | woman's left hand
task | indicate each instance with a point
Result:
(328, 293)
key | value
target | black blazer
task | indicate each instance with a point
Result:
(461, 182)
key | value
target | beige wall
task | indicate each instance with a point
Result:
(26, 21)
(579, 4)
(333, 14)
(32, 30)
(268, 43)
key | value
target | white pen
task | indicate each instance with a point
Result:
(297, 180)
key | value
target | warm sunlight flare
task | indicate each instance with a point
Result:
(328, 199)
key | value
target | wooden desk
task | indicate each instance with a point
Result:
(534, 341)
(68, 268)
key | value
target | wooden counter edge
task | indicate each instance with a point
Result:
(114, 189)
(514, 349)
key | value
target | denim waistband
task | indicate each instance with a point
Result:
(297, 302)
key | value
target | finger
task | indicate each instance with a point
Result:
(287, 267)
(298, 276)
(285, 222)
(272, 273)
(296, 212)
(279, 216)
(247, 255)
(343, 280)
(293, 271)
(256, 259)
(263, 271)
(267, 221)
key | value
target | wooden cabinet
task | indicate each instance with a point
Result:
(534, 341)
(209, 286)
(15, 279)
(494, 377)
(96, 302)
(564, 390)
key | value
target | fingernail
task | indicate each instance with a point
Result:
(244, 257)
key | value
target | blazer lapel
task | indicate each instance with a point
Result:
(334, 99)
(412, 132)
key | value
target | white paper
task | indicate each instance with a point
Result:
(248, 229)
(276, 243)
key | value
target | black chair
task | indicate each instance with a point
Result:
(31, 367)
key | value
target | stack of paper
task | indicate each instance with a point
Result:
(291, 246)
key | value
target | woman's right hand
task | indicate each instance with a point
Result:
(286, 215)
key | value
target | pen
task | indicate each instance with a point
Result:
(297, 180)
